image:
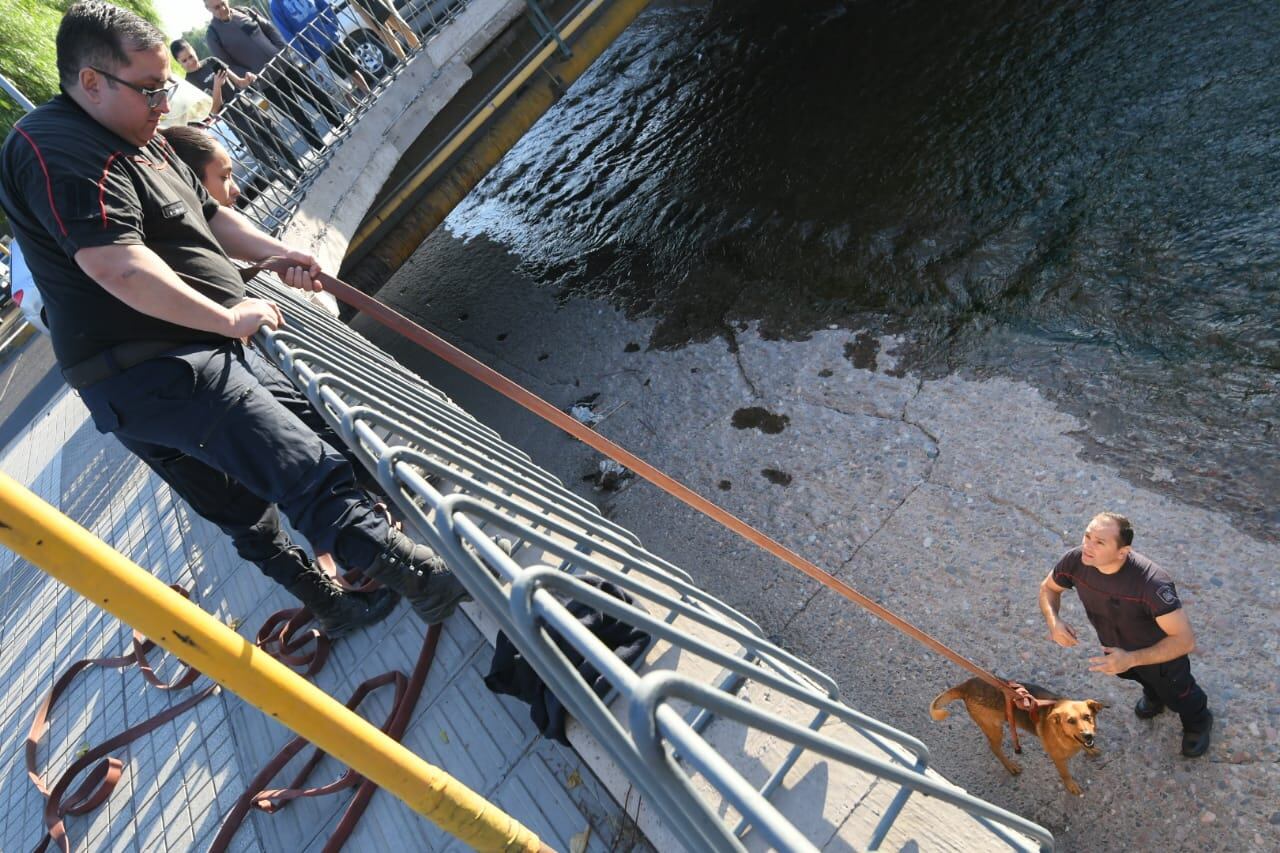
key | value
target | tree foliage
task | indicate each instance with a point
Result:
(27, 57)
(196, 38)
(26, 53)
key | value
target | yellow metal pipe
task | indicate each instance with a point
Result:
(619, 14)
(72, 555)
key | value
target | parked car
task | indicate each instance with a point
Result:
(373, 57)
(5, 294)
(23, 290)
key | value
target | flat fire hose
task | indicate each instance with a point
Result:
(286, 636)
(1015, 694)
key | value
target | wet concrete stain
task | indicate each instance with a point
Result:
(725, 485)
(826, 373)
(862, 351)
(631, 347)
(778, 478)
(758, 417)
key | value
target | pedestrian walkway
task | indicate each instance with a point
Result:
(179, 781)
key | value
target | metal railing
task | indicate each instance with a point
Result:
(284, 127)
(461, 488)
(86, 564)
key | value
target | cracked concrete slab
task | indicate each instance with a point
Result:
(947, 500)
(819, 373)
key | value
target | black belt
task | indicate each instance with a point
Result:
(114, 361)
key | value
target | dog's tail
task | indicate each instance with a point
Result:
(946, 697)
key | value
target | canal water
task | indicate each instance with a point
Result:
(1079, 195)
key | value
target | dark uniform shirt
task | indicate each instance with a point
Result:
(202, 78)
(68, 183)
(1123, 606)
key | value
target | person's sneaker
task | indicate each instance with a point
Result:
(340, 611)
(414, 571)
(1147, 708)
(1195, 744)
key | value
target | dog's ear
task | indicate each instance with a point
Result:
(1095, 706)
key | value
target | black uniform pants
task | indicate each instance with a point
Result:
(252, 524)
(203, 419)
(1171, 684)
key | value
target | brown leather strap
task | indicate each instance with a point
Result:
(401, 324)
(1015, 695)
(287, 636)
(270, 800)
(101, 781)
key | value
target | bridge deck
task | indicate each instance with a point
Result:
(180, 781)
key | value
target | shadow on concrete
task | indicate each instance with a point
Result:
(30, 378)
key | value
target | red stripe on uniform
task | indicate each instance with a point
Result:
(47, 183)
(102, 188)
(144, 161)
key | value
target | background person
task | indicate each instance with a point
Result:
(216, 170)
(225, 86)
(247, 42)
(384, 20)
(312, 26)
(1134, 607)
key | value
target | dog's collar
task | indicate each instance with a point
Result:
(1015, 695)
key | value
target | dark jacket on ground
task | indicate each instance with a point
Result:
(512, 675)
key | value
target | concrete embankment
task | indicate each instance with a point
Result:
(948, 500)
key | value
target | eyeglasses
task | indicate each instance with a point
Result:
(155, 97)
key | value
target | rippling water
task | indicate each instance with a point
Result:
(1081, 195)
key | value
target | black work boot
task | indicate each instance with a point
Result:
(340, 611)
(1148, 707)
(1195, 743)
(419, 575)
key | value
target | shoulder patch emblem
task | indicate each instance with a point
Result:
(1167, 595)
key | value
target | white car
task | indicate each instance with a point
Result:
(24, 290)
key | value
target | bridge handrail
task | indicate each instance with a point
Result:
(78, 559)
(261, 126)
(460, 488)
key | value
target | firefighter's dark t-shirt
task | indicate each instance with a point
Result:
(1123, 606)
(67, 183)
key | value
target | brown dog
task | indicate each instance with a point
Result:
(1064, 729)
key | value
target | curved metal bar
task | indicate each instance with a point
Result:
(407, 431)
(658, 687)
(679, 799)
(638, 618)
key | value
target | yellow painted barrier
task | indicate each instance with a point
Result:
(74, 556)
